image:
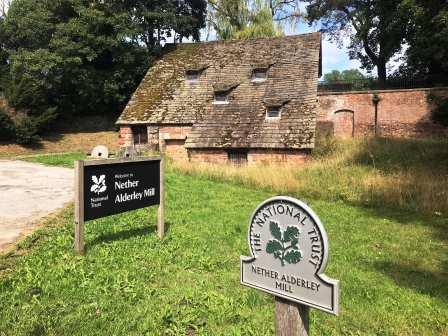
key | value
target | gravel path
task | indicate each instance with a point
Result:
(29, 192)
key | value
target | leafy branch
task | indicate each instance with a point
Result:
(285, 245)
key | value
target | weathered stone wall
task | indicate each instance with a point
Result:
(401, 113)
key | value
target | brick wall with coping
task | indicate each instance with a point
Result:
(401, 113)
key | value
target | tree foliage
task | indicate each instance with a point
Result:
(239, 19)
(350, 75)
(86, 56)
(375, 29)
(427, 40)
(7, 127)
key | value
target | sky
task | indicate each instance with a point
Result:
(333, 57)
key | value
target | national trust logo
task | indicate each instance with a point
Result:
(99, 184)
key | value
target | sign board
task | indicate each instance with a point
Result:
(108, 187)
(289, 253)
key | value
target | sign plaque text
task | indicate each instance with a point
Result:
(289, 252)
(108, 187)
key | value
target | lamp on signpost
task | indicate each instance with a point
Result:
(375, 100)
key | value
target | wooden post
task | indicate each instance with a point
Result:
(161, 209)
(291, 319)
(79, 207)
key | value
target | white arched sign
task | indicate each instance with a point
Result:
(289, 253)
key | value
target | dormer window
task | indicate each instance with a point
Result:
(222, 92)
(273, 112)
(192, 76)
(259, 75)
(221, 97)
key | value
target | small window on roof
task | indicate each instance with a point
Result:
(259, 75)
(273, 112)
(192, 76)
(221, 97)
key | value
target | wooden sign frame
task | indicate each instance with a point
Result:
(79, 243)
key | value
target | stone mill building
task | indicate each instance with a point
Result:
(229, 101)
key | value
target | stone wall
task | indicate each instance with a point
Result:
(401, 113)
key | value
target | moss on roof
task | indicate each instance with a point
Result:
(165, 97)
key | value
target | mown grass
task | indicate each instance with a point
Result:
(62, 143)
(404, 174)
(392, 266)
(61, 160)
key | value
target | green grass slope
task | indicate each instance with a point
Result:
(392, 267)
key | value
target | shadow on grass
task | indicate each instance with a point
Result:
(397, 154)
(434, 284)
(438, 225)
(126, 234)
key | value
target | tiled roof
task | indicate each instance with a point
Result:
(166, 97)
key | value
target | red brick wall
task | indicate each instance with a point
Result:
(125, 137)
(174, 139)
(266, 156)
(175, 149)
(217, 156)
(401, 113)
(254, 156)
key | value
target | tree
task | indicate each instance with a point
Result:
(376, 29)
(350, 75)
(227, 17)
(251, 18)
(87, 56)
(427, 39)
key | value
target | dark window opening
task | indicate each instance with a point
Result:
(221, 97)
(273, 112)
(192, 76)
(237, 158)
(140, 135)
(259, 75)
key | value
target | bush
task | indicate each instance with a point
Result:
(28, 130)
(440, 113)
(7, 127)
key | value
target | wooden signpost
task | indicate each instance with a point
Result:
(107, 187)
(289, 253)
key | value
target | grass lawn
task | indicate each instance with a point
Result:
(392, 266)
(60, 160)
(61, 143)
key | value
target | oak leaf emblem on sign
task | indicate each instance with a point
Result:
(99, 184)
(285, 245)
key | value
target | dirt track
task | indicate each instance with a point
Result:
(29, 192)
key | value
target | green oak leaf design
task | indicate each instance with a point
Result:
(285, 245)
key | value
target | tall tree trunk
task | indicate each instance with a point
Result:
(381, 70)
